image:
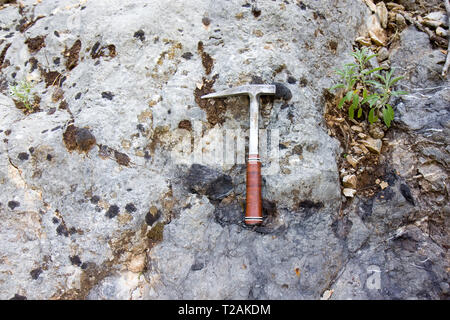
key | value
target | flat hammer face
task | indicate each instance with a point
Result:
(253, 212)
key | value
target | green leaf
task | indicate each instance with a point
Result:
(348, 96)
(337, 86)
(398, 93)
(393, 81)
(360, 112)
(387, 117)
(341, 103)
(370, 57)
(372, 117)
(351, 110)
(373, 70)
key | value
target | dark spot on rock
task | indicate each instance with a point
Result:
(197, 266)
(256, 11)
(55, 220)
(82, 8)
(34, 63)
(73, 55)
(282, 146)
(18, 297)
(406, 192)
(95, 199)
(310, 207)
(98, 51)
(49, 157)
(147, 155)
(291, 80)
(130, 208)
(107, 95)
(140, 34)
(78, 138)
(35, 273)
(63, 105)
(228, 213)
(169, 111)
(56, 128)
(56, 33)
(75, 260)
(8, 132)
(269, 208)
(246, 5)
(23, 156)
(212, 183)
(35, 44)
(318, 15)
(141, 127)
(9, 35)
(61, 230)
(298, 150)
(31, 150)
(301, 5)
(13, 75)
(51, 111)
(282, 92)
(57, 61)
(206, 21)
(72, 231)
(78, 96)
(256, 80)
(185, 124)
(341, 227)
(333, 45)
(207, 61)
(112, 211)
(303, 82)
(187, 55)
(152, 216)
(13, 204)
(121, 158)
(84, 266)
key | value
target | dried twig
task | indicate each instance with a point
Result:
(447, 61)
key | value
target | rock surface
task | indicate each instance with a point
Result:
(95, 204)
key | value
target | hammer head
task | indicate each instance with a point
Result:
(251, 89)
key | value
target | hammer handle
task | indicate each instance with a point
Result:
(253, 212)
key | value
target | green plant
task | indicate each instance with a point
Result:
(366, 89)
(22, 92)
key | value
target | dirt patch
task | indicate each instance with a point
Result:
(122, 158)
(80, 139)
(52, 78)
(355, 159)
(185, 124)
(3, 54)
(34, 105)
(35, 44)
(73, 55)
(25, 24)
(215, 108)
(207, 60)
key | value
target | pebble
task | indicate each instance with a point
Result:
(382, 14)
(400, 20)
(383, 54)
(376, 132)
(348, 192)
(353, 162)
(374, 145)
(364, 41)
(441, 32)
(376, 32)
(349, 181)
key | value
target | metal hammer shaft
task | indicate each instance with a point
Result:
(253, 210)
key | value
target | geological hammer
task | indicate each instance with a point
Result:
(253, 210)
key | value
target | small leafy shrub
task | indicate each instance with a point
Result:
(22, 92)
(367, 90)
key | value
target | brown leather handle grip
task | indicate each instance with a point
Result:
(253, 212)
